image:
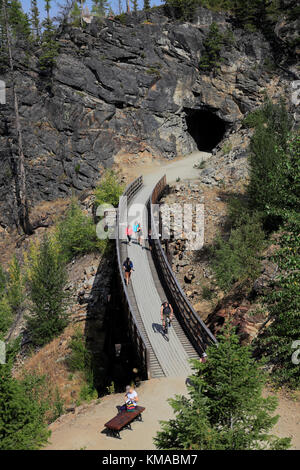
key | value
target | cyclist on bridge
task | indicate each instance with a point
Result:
(166, 313)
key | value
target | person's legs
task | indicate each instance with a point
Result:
(127, 277)
(129, 239)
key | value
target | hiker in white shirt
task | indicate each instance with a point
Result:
(131, 395)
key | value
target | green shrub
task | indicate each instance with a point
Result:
(76, 233)
(80, 360)
(237, 258)
(109, 189)
(80, 357)
(207, 293)
(200, 165)
(88, 392)
(226, 148)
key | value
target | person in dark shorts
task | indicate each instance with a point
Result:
(128, 267)
(150, 241)
(129, 233)
(166, 312)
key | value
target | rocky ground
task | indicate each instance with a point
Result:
(220, 176)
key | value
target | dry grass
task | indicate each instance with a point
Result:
(50, 362)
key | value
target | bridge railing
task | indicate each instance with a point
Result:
(135, 333)
(195, 329)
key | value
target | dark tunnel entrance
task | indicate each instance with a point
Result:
(206, 128)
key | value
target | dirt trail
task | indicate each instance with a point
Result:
(74, 432)
(85, 430)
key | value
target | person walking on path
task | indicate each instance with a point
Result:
(128, 268)
(129, 233)
(138, 232)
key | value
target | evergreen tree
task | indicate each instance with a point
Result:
(211, 58)
(182, 9)
(100, 8)
(15, 287)
(50, 46)
(35, 19)
(225, 409)
(280, 340)
(18, 21)
(6, 316)
(135, 5)
(271, 165)
(147, 5)
(46, 287)
(22, 417)
(76, 14)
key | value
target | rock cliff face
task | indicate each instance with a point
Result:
(131, 89)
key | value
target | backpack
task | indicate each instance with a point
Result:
(128, 265)
(130, 406)
(167, 310)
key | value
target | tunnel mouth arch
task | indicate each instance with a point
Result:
(205, 127)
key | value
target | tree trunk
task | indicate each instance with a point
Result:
(20, 175)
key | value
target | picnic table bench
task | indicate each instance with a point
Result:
(123, 420)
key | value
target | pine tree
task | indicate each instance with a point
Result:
(18, 21)
(225, 409)
(15, 287)
(76, 15)
(100, 8)
(35, 19)
(22, 417)
(134, 6)
(50, 47)
(46, 287)
(147, 5)
(6, 315)
(211, 58)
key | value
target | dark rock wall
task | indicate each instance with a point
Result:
(123, 89)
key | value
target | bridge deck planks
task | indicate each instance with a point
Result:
(146, 293)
